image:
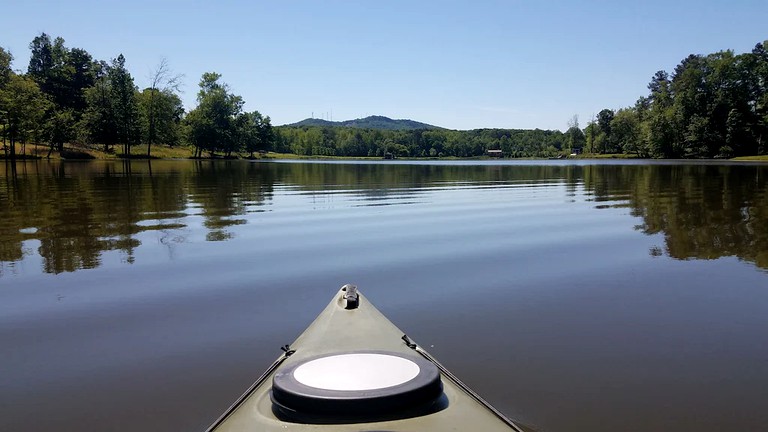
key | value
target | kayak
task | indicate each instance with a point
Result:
(353, 370)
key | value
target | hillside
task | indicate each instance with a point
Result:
(371, 122)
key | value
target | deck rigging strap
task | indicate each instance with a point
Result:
(412, 345)
(287, 352)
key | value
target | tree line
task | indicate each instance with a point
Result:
(344, 141)
(713, 105)
(67, 96)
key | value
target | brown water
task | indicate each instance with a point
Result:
(574, 297)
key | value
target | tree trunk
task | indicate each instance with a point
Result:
(152, 126)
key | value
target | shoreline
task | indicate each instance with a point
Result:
(39, 152)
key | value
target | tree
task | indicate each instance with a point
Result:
(266, 134)
(99, 119)
(198, 130)
(760, 55)
(211, 125)
(124, 105)
(246, 128)
(48, 67)
(737, 134)
(160, 108)
(575, 138)
(604, 119)
(162, 112)
(83, 74)
(42, 62)
(6, 58)
(660, 89)
(626, 132)
(61, 73)
(661, 125)
(59, 129)
(253, 132)
(23, 105)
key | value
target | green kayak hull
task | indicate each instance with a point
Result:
(351, 329)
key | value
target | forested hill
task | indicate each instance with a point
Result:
(370, 122)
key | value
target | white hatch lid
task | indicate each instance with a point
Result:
(356, 372)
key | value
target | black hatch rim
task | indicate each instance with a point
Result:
(291, 397)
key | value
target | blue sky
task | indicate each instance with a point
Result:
(460, 65)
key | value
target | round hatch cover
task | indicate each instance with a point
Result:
(356, 383)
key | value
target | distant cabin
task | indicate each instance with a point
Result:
(495, 153)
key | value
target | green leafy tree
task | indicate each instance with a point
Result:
(211, 125)
(6, 58)
(47, 64)
(246, 131)
(266, 134)
(760, 91)
(59, 128)
(590, 133)
(61, 73)
(254, 132)
(99, 121)
(575, 138)
(662, 130)
(83, 74)
(604, 119)
(626, 132)
(161, 107)
(124, 105)
(162, 112)
(23, 106)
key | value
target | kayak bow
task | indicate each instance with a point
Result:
(352, 369)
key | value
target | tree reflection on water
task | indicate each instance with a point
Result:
(71, 213)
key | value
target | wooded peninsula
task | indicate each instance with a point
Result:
(711, 106)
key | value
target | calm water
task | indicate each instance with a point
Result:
(575, 297)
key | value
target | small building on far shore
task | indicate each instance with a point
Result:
(495, 153)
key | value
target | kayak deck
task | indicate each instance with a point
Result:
(352, 330)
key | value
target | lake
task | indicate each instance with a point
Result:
(573, 295)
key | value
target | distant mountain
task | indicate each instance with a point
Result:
(371, 122)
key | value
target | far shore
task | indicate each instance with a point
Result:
(139, 152)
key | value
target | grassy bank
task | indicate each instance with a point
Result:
(761, 158)
(93, 152)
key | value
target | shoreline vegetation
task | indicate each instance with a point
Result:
(73, 106)
(76, 153)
